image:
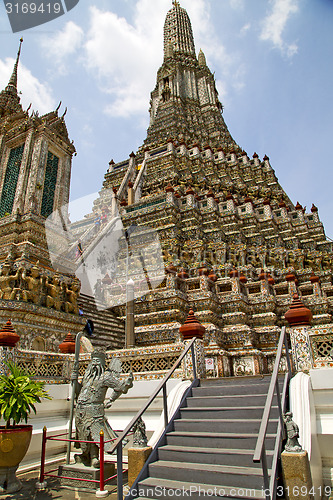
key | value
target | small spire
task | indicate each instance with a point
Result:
(202, 58)
(12, 84)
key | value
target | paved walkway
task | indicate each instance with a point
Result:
(53, 490)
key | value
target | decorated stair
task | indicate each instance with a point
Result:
(109, 330)
(210, 450)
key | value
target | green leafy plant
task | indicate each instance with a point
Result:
(18, 395)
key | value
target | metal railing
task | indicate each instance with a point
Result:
(161, 387)
(55, 473)
(260, 450)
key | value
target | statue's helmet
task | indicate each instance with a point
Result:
(100, 355)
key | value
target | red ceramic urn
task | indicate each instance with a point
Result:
(8, 336)
(298, 314)
(192, 328)
(68, 345)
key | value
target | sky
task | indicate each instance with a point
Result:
(272, 61)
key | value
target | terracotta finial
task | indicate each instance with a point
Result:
(183, 274)
(314, 278)
(169, 188)
(266, 158)
(192, 327)
(123, 203)
(189, 190)
(314, 208)
(210, 193)
(255, 155)
(203, 271)
(290, 277)
(242, 278)
(298, 206)
(263, 275)
(130, 184)
(298, 314)
(234, 273)
(282, 204)
(270, 279)
(8, 336)
(171, 269)
(68, 345)
(212, 276)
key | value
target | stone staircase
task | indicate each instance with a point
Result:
(209, 452)
(109, 330)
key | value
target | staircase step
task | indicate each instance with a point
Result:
(245, 380)
(109, 329)
(233, 389)
(212, 412)
(229, 400)
(220, 440)
(222, 425)
(249, 477)
(219, 456)
(161, 488)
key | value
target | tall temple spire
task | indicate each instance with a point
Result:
(178, 31)
(12, 84)
(9, 98)
(185, 104)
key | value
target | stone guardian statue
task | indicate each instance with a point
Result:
(90, 409)
(292, 444)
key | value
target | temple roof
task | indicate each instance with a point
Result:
(185, 105)
(178, 31)
(9, 98)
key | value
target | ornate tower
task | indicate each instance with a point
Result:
(184, 103)
(35, 170)
(35, 156)
(236, 249)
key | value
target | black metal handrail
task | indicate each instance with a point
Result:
(260, 450)
(162, 386)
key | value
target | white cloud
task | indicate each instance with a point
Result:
(245, 29)
(33, 91)
(125, 57)
(237, 4)
(275, 23)
(62, 44)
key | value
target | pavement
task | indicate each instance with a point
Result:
(54, 490)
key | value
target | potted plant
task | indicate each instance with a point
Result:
(18, 395)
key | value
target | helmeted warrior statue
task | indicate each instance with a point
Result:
(292, 429)
(89, 414)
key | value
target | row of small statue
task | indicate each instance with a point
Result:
(31, 286)
(238, 256)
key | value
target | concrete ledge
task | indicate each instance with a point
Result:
(297, 476)
(136, 460)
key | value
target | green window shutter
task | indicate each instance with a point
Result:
(50, 182)
(11, 178)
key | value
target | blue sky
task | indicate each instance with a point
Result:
(272, 61)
